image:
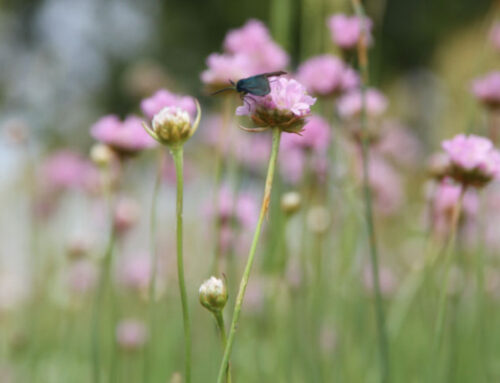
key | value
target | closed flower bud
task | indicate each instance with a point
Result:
(318, 219)
(213, 294)
(290, 202)
(101, 155)
(172, 125)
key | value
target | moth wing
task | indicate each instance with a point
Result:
(257, 85)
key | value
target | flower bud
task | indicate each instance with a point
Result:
(290, 202)
(101, 155)
(172, 125)
(213, 294)
(127, 212)
(318, 219)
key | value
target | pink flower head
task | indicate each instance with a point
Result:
(495, 36)
(255, 41)
(163, 98)
(326, 75)
(386, 185)
(135, 272)
(350, 104)
(131, 334)
(473, 159)
(225, 67)
(285, 106)
(315, 136)
(127, 213)
(81, 276)
(399, 144)
(66, 169)
(243, 209)
(346, 31)
(487, 89)
(126, 136)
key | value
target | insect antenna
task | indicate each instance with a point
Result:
(222, 90)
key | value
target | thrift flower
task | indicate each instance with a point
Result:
(473, 159)
(213, 294)
(290, 202)
(65, 169)
(224, 67)
(444, 201)
(327, 75)
(135, 272)
(315, 136)
(125, 137)
(131, 334)
(346, 31)
(286, 106)
(487, 90)
(81, 276)
(172, 126)
(127, 212)
(255, 41)
(163, 98)
(350, 105)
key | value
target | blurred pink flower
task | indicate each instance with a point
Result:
(294, 163)
(487, 89)
(326, 75)
(252, 150)
(473, 159)
(127, 137)
(387, 279)
(399, 145)
(135, 272)
(67, 169)
(495, 36)
(287, 96)
(315, 136)
(81, 276)
(386, 185)
(235, 214)
(350, 104)
(225, 67)
(255, 41)
(131, 334)
(346, 31)
(444, 201)
(127, 212)
(241, 210)
(163, 98)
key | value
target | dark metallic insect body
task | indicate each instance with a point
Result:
(257, 85)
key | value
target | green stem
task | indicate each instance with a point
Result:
(104, 279)
(439, 327)
(219, 168)
(219, 318)
(154, 266)
(177, 154)
(246, 274)
(382, 334)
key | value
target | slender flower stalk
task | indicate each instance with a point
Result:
(219, 168)
(154, 267)
(177, 154)
(439, 327)
(382, 334)
(246, 274)
(104, 278)
(219, 318)
(172, 126)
